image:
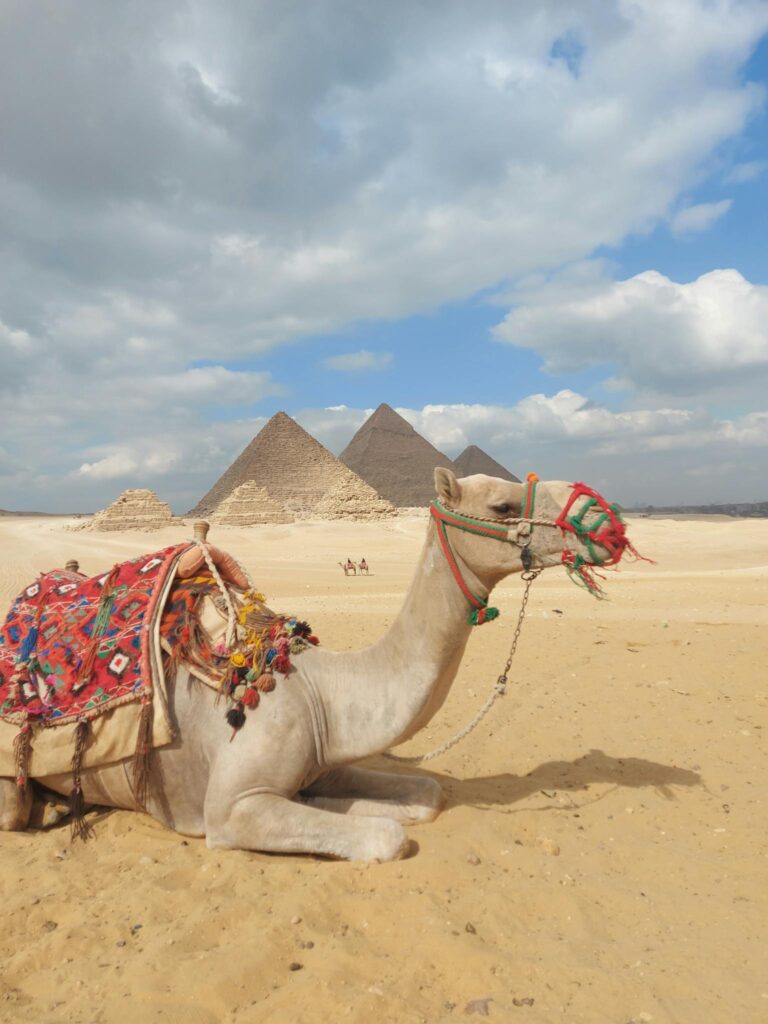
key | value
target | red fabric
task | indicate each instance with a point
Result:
(48, 677)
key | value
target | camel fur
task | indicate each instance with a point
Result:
(290, 782)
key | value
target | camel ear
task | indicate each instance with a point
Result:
(447, 486)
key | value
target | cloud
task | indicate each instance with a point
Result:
(640, 456)
(185, 218)
(662, 336)
(692, 219)
(353, 362)
(748, 171)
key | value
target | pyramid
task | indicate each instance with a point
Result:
(353, 499)
(250, 505)
(389, 455)
(474, 460)
(297, 471)
(135, 509)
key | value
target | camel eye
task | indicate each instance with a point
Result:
(502, 510)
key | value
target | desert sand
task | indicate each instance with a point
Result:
(603, 854)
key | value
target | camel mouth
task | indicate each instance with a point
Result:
(601, 535)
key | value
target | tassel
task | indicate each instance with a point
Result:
(236, 718)
(313, 640)
(265, 682)
(282, 663)
(80, 827)
(480, 615)
(251, 698)
(142, 754)
(22, 752)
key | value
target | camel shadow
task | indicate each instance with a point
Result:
(555, 779)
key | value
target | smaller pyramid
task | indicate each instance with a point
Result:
(474, 460)
(135, 509)
(353, 499)
(250, 505)
(394, 459)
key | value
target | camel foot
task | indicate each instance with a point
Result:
(408, 799)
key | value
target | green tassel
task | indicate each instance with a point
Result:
(480, 615)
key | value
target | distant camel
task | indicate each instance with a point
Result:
(363, 567)
(348, 567)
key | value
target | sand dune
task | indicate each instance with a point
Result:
(602, 858)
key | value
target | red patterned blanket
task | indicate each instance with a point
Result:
(73, 648)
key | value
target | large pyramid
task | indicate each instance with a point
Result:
(389, 455)
(474, 460)
(297, 471)
(135, 509)
(249, 505)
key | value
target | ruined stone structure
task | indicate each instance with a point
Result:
(135, 509)
(250, 505)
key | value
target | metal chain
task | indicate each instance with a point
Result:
(499, 687)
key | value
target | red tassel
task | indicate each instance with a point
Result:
(282, 663)
(251, 698)
(313, 640)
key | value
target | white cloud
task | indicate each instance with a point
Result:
(692, 219)
(748, 171)
(663, 336)
(353, 362)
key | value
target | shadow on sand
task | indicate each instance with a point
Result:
(555, 779)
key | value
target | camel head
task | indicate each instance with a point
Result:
(496, 528)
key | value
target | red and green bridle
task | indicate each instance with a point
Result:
(608, 531)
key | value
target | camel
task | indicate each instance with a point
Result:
(363, 567)
(290, 781)
(348, 567)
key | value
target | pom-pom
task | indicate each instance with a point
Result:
(265, 682)
(236, 717)
(251, 698)
(480, 615)
(237, 659)
(302, 629)
(313, 640)
(282, 663)
(271, 655)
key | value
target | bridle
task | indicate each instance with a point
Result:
(607, 532)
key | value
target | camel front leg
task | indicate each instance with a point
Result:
(275, 824)
(409, 799)
(15, 806)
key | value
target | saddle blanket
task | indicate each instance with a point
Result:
(72, 649)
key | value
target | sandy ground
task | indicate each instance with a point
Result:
(602, 857)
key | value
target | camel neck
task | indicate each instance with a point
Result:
(380, 696)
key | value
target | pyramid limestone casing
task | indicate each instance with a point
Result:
(399, 463)
(297, 471)
(474, 460)
(250, 505)
(135, 509)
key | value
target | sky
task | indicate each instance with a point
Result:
(537, 228)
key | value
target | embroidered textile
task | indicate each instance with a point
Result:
(72, 648)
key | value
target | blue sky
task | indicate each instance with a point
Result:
(537, 231)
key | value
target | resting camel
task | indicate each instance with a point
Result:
(290, 782)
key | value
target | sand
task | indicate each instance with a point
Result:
(602, 857)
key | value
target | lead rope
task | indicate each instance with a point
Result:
(499, 687)
(231, 612)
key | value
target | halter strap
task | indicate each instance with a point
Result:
(482, 528)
